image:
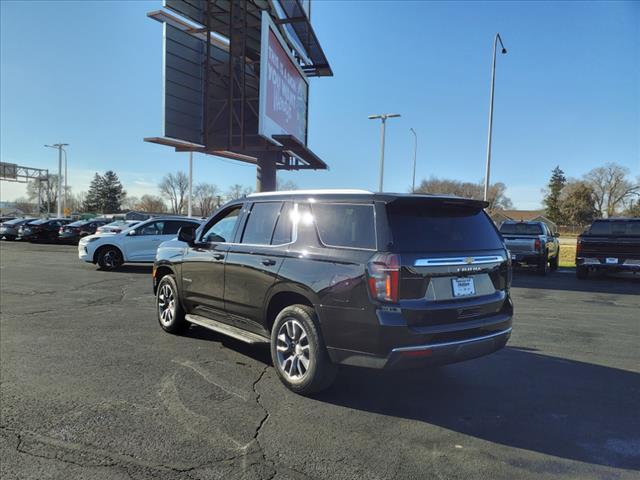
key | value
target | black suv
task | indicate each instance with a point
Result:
(342, 277)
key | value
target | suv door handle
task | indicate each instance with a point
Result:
(218, 256)
(267, 262)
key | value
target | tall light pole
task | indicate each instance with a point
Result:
(190, 183)
(493, 81)
(415, 151)
(382, 117)
(60, 147)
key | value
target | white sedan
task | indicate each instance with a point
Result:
(136, 244)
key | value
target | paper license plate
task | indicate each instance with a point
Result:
(611, 260)
(463, 287)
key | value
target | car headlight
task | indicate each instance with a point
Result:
(89, 240)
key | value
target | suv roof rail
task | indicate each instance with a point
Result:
(320, 191)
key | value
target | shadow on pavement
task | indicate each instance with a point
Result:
(565, 279)
(515, 397)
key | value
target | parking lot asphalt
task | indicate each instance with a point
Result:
(92, 388)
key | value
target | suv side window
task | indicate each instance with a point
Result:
(261, 224)
(345, 225)
(284, 225)
(153, 228)
(223, 228)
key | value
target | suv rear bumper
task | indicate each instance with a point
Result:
(403, 346)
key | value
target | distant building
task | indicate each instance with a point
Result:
(501, 216)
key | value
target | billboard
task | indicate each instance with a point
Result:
(8, 171)
(284, 88)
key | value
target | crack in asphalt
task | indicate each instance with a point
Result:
(262, 422)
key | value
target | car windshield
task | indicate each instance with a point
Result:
(38, 222)
(521, 229)
(79, 223)
(619, 228)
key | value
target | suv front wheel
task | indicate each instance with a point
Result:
(298, 352)
(171, 316)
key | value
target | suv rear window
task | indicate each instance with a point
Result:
(441, 228)
(520, 229)
(345, 225)
(621, 228)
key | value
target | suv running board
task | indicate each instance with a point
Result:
(229, 330)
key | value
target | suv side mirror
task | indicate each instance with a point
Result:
(187, 234)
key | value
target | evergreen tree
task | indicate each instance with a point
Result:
(112, 192)
(92, 200)
(552, 198)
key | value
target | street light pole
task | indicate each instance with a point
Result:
(60, 147)
(65, 180)
(190, 183)
(415, 151)
(493, 81)
(382, 117)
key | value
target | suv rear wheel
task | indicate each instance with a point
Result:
(553, 263)
(298, 352)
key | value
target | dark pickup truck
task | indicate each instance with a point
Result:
(609, 245)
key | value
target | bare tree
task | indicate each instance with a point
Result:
(24, 205)
(285, 185)
(611, 188)
(497, 197)
(174, 188)
(47, 190)
(151, 204)
(206, 198)
(130, 203)
(238, 191)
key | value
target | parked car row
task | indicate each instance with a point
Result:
(59, 230)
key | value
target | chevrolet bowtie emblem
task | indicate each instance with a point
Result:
(468, 260)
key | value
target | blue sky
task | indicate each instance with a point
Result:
(567, 93)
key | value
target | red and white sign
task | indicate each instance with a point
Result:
(283, 88)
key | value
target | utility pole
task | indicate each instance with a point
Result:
(189, 203)
(60, 148)
(382, 117)
(493, 81)
(415, 151)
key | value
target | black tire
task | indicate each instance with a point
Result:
(582, 272)
(171, 315)
(553, 263)
(543, 265)
(319, 372)
(109, 258)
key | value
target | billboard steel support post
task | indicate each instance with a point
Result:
(493, 81)
(59, 199)
(266, 171)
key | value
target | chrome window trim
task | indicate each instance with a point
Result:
(453, 343)
(453, 261)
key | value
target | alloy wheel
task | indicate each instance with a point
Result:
(292, 348)
(166, 304)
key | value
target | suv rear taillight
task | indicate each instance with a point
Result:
(383, 276)
(536, 244)
(579, 248)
